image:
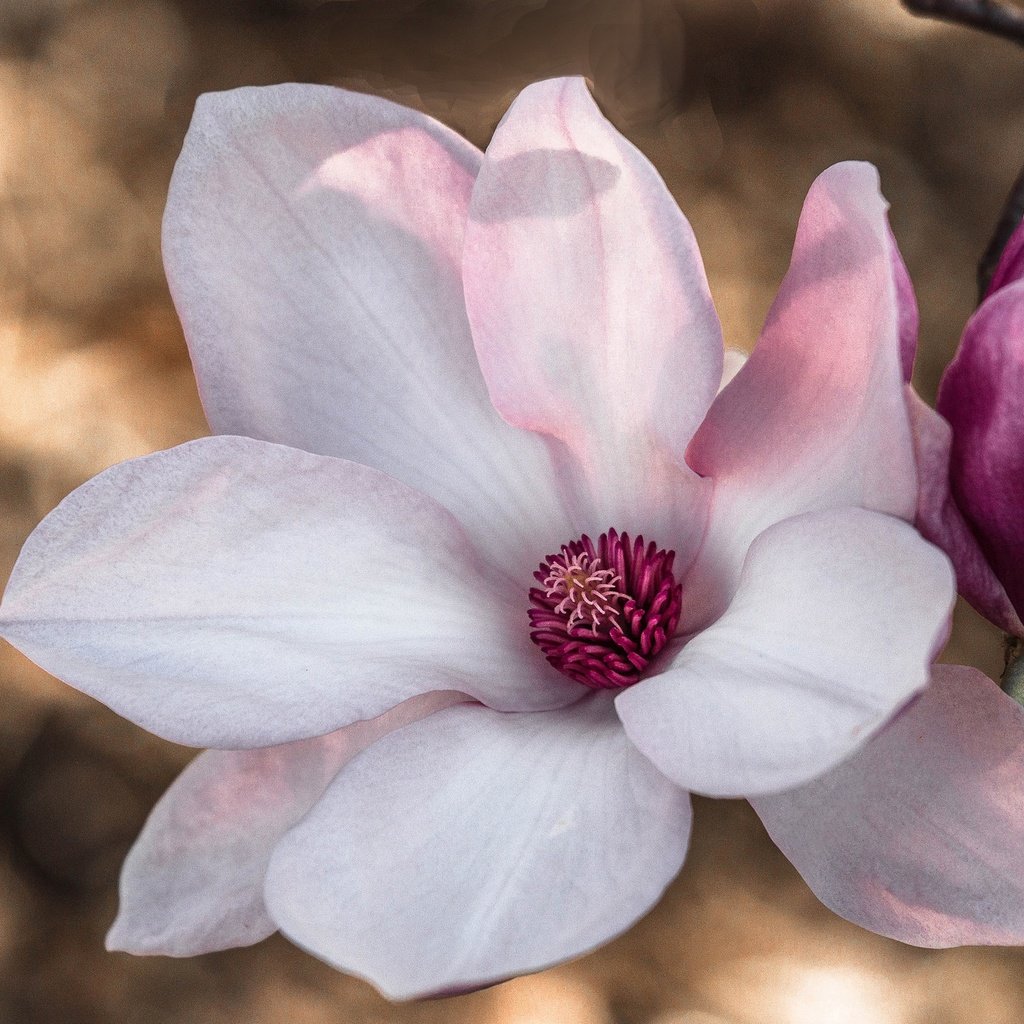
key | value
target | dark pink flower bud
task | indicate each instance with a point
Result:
(982, 397)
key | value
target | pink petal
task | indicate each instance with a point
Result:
(233, 593)
(313, 242)
(982, 397)
(919, 836)
(940, 520)
(836, 620)
(591, 312)
(816, 417)
(473, 846)
(193, 881)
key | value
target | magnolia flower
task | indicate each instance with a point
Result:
(479, 578)
(919, 835)
(982, 398)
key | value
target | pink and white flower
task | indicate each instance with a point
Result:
(430, 371)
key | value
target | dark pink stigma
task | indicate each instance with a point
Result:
(603, 612)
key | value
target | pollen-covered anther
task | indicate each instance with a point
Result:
(606, 609)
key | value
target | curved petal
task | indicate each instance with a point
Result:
(919, 836)
(816, 417)
(941, 521)
(313, 241)
(834, 625)
(473, 846)
(981, 397)
(591, 312)
(233, 593)
(193, 881)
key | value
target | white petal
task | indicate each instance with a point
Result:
(234, 593)
(836, 620)
(312, 241)
(919, 835)
(591, 311)
(193, 881)
(473, 846)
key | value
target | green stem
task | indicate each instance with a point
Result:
(1012, 680)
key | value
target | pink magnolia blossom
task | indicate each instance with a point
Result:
(431, 370)
(982, 398)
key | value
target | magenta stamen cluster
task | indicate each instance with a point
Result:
(606, 609)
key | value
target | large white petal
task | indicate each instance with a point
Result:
(234, 593)
(312, 241)
(836, 620)
(193, 881)
(919, 835)
(591, 311)
(473, 846)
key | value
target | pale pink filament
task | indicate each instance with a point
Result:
(588, 589)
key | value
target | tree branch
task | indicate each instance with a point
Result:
(1006, 21)
(992, 16)
(1013, 213)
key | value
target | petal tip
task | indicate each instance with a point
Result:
(855, 184)
(120, 938)
(557, 92)
(862, 170)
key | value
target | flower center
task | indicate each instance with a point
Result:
(604, 611)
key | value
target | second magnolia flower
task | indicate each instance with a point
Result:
(430, 369)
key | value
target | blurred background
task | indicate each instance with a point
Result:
(739, 103)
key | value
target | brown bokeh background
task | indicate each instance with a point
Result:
(739, 104)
